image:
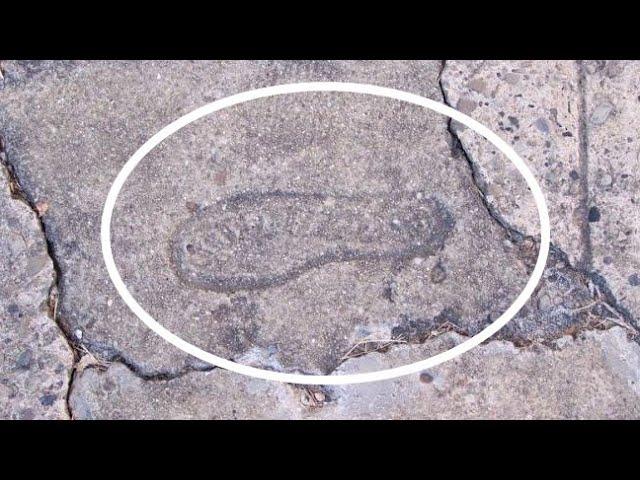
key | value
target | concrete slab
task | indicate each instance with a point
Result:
(36, 361)
(594, 376)
(298, 233)
(343, 175)
(612, 99)
(535, 107)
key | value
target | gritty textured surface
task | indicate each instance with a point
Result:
(117, 393)
(305, 166)
(35, 363)
(299, 232)
(595, 376)
(613, 121)
(305, 244)
(534, 106)
(553, 113)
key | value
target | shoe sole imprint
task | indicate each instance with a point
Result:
(258, 240)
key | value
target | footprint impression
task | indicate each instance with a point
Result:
(261, 239)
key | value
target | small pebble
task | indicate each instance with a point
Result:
(605, 180)
(542, 125)
(24, 360)
(41, 208)
(601, 113)
(438, 274)
(47, 400)
(594, 214)
(426, 377)
(544, 303)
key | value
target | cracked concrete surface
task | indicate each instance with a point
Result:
(276, 267)
(534, 106)
(594, 376)
(552, 113)
(292, 233)
(612, 101)
(36, 361)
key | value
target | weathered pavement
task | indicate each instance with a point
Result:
(595, 376)
(36, 360)
(288, 233)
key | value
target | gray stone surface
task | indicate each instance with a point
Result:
(316, 240)
(594, 376)
(534, 106)
(36, 361)
(573, 123)
(118, 393)
(340, 173)
(613, 121)
(298, 232)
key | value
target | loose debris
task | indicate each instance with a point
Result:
(362, 347)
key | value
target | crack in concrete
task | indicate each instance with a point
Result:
(78, 348)
(586, 262)
(602, 288)
(102, 365)
(110, 355)
(20, 195)
(598, 285)
(82, 348)
(458, 149)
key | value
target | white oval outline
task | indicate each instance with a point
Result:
(501, 321)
